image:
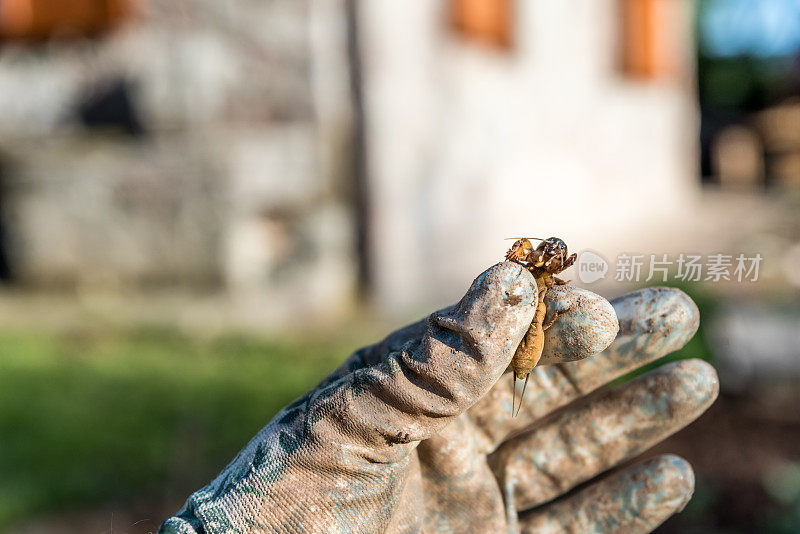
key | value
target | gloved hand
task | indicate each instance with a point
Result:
(415, 433)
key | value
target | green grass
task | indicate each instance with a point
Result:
(91, 417)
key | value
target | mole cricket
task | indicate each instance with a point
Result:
(545, 261)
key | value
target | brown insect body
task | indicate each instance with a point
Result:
(544, 262)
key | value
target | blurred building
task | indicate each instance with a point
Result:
(286, 152)
(488, 119)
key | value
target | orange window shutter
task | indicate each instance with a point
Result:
(42, 19)
(648, 37)
(488, 22)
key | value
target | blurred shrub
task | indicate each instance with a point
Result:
(96, 416)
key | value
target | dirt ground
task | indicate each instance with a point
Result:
(734, 448)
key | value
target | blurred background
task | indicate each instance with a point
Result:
(205, 205)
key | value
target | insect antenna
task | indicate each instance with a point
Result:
(521, 397)
(536, 238)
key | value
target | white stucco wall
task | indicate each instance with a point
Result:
(468, 146)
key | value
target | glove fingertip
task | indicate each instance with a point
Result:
(495, 312)
(676, 477)
(586, 324)
(668, 313)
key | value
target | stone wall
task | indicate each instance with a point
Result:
(222, 167)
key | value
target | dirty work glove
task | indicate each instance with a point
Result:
(415, 433)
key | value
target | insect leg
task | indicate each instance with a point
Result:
(552, 320)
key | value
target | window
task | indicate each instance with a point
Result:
(649, 36)
(488, 22)
(32, 20)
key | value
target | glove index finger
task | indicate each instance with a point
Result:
(416, 391)
(341, 453)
